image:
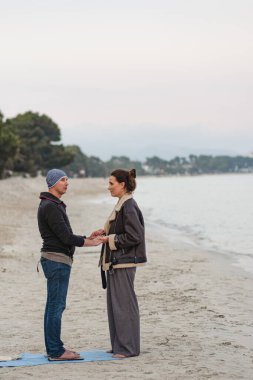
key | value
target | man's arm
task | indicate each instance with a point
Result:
(56, 222)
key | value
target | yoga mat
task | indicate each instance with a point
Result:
(39, 359)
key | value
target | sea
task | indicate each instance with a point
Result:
(214, 212)
(211, 211)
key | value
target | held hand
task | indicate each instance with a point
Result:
(97, 233)
(92, 242)
(104, 239)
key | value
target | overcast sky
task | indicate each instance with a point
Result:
(133, 77)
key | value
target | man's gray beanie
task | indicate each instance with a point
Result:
(54, 176)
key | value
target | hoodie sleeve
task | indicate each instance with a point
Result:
(58, 225)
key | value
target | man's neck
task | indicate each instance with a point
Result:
(55, 193)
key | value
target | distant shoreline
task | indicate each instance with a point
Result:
(26, 176)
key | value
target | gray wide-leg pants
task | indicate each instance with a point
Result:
(123, 312)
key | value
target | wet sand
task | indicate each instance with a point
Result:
(195, 306)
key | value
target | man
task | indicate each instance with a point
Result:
(57, 252)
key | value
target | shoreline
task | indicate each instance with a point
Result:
(23, 177)
(178, 236)
(195, 307)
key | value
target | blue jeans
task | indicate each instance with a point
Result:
(57, 275)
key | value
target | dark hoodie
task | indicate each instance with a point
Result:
(55, 228)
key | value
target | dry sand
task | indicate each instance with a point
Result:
(196, 307)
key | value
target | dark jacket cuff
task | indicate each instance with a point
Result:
(116, 241)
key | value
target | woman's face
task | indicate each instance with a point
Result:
(117, 189)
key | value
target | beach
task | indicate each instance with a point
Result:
(195, 305)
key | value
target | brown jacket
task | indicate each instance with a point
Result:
(125, 227)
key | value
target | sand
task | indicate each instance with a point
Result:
(195, 306)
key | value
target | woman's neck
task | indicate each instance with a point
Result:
(121, 196)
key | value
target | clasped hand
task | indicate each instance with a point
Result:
(97, 237)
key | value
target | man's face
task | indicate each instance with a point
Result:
(61, 186)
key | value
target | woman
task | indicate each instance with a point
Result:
(123, 250)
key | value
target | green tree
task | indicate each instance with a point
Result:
(79, 165)
(123, 162)
(156, 165)
(95, 167)
(8, 147)
(37, 151)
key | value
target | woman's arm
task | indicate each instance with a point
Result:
(133, 226)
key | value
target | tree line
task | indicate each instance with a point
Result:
(202, 164)
(30, 143)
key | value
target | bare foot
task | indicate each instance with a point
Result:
(119, 356)
(69, 349)
(67, 355)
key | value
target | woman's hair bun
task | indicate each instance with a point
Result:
(127, 176)
(132, 173)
